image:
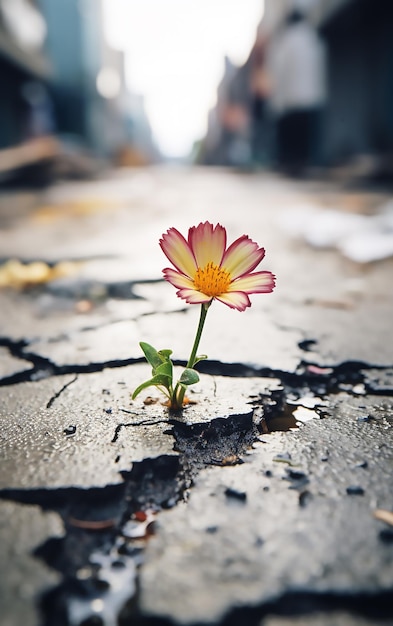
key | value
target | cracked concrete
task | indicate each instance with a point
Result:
(25, 577)
(252, 551)
(251, 525)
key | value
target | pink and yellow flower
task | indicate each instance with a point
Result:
(206, 269)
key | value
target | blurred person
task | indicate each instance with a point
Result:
(298, 95)
(260, 90)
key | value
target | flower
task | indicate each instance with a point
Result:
(206, 269)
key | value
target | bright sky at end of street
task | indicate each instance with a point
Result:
(175, 53)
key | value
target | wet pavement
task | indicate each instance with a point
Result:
(269, 499)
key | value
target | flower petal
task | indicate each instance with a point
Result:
(207, 243)
(176, 248)
(192, 296)
(235, 300)
(242, 256)
(177, 280)
(259, 282)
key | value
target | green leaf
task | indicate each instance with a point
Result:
(151, 354)
(165, 353)
(189, 377)
(165, 369)
(201, 357)
(156, 381)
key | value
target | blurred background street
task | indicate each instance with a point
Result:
(300, 86)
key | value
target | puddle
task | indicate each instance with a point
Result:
(282, 422)
(283, 415)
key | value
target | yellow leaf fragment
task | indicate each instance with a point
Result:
(384, 516)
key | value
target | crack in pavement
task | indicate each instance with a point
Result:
(348, 372)
(45, 368)
(107, 521)
(58, 393)
(106, 531)
(372, 605)
(101, 521)
(155, 484)
(151, 485)
(119, 427)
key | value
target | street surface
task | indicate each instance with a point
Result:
(268, 500)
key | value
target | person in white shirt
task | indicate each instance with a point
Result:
(298, 91)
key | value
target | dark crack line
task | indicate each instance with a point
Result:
(96, 521)
(113, 322)
(58, 393)
(352, 372)
(45, 368)
(152, 484)
(370, 604)
(119, 427)
(348, 372)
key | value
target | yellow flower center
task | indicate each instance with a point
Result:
(212, 280)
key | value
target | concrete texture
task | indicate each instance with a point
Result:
(257, 504)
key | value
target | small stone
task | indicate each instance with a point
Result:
(235, 494)
(70, 430)
(295, 474)
(305, 498)
(362, 465)
(359, 389)
(284, 457)
(212, 529)
(84, 573)
(386, 535)
(355, 490)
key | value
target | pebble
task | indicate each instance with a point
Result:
(70, 430)
(363, 418)
(386, 535)
(355, 490)
(234, 493)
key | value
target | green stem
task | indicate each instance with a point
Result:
(179, 391)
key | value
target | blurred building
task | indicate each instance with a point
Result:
(357, 119)
(64, 92)
(143, 148)
(87, 84)
(227, 140)
(22, 62)
(359, 115)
